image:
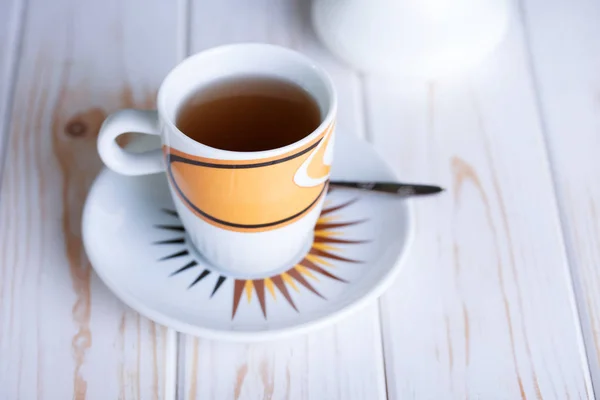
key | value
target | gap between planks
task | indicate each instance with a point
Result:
(362, 113)
(176, 389)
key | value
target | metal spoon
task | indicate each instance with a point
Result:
(400, 189)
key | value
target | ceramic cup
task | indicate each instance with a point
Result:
(245, 212)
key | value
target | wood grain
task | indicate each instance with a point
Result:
(564, 45)
(484, 307)
(340, 362)
(62, 333)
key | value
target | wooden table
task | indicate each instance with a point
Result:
(499, 299)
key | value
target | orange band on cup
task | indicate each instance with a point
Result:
(249, 195)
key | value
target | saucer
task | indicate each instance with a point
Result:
(138, 246)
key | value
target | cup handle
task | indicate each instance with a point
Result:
(123, 161)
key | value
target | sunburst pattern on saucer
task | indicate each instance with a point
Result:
(316, 265)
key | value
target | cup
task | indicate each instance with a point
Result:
(246, 212)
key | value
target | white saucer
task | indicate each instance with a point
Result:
(138, 247)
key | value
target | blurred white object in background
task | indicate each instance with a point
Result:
(427, 38)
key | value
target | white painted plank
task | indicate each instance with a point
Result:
(484, 308)
(62, 333)
(564, 41)
(7, 19)
(340, 362)
(10, 34)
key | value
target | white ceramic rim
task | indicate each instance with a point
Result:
(200, 148)
(244, 336)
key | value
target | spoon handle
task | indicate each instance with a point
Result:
(400, 189)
